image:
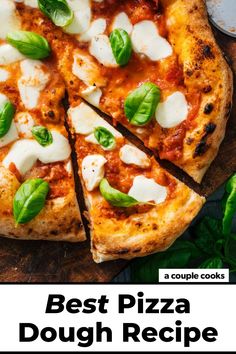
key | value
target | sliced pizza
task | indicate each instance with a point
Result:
(153, 66)
(37, 192)
(135, 207)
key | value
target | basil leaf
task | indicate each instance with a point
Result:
(207, 235)
(229, 204)
(230, 250)
(104, 137)
(30, 44)
(177, 256)
(141, 104)
(115, 197)
(42, 135)
(29, 200)
(121, 46)
(7, 112)
(212, 263)
(57, 10)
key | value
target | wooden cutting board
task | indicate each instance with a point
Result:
(40, 261)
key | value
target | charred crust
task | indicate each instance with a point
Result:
(202, 147)
(207, 89)
(207, 52)
(208, 108)
(210, 128)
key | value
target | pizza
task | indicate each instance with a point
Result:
(127, 192)
(152, 66)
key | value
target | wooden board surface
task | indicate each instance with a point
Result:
(40, 261)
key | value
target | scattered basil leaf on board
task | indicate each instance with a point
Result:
(115, 197)
(121, 46)
(30, 44)
(42, 135)
(104, 137)
(7, 112)
(207, 233)
(29, 200)
(141, 104)
(212, 263)
(57, 10)
(177, 256)
(229, 204)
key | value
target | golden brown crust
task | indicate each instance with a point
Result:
(60, 220)
(206, 70)
(142, 234)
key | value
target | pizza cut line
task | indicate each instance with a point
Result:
(154, 67)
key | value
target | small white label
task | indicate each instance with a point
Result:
(193, 275)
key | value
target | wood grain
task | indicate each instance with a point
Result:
(40, 261)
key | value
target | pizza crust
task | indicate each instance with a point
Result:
(60, 219)
(205, 68)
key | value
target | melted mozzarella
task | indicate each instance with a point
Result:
(93, 171)
(82, 16)
(8, 18)
(4, 75)
(146, 40)
(25, 152)
(59, 150)
(97, 27)
(86, 70)
(11, 136)
(32, 82)
(131, 155)
(31, 3)
(173, 111)
(122, 21)
(147, 190)
(92, 94)
(9, 54)
(84, 120)
(100, 48)
(24, 123)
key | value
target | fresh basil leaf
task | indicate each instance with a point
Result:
(141, 104)
(177, 256)
(104, 137)
(207, 235)
(229, 204)
(30, 44)
(7, 112)
(42, 135)
(230, 250)
(115, 197)
(121, 46)
(212, 263)
(29, 200)
(58, 11)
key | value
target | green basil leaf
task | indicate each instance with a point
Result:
(212, 263)
(115, 197)
(29, 200)
(58, 11)
(7, 112)
(104, 137)
(230, 250)
(42, 135)
(208, 235)
(141, 104)
(30, 44)
(229, 204)
(121, 46)
(177, 256)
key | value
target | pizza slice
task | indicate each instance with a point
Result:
(153, 66)
(135, 206)
(37, 192)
